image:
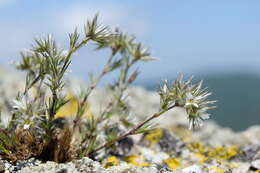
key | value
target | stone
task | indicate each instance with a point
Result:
(249, 152)
(2, 166)
(162, 140)
(169, 142)
(192, 169)
(255, 164)
(244, 167)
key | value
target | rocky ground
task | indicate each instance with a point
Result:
(169, 148)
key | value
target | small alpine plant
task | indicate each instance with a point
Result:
(35, 130)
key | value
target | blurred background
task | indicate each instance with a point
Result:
(217, 41)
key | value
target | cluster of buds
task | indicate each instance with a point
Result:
(190, 96)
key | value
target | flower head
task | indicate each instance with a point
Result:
(189, 96)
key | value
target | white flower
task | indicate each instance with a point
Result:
(191, 101)
(26, 126)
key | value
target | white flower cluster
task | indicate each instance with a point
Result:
(189, 96)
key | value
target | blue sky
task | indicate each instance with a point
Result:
(194, 37)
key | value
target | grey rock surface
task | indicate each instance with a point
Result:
(193, 169)
(255, 164)
(85, 165)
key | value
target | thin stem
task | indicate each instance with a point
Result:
(82, 43)
(130, 132)
(54, 103)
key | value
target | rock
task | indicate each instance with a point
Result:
(251, 134)
(164, 146)
(244, 167)
(2, 166)
(152, 156)
(86, 165)
(193, 169)
(169, 142)
(255, 165)
(162, 140)
(122, 147)
(222, 136)
(249, 152)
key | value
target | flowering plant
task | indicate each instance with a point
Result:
(35, 130)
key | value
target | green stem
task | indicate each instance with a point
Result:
(130, 132)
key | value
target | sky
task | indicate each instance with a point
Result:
(189, 36)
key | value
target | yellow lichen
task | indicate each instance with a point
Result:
(136, 160)
(182, 132)
(111, 161)
(257, 171)
(71, 108)
(223, 153)
(154, 136)
(172, 163)
(197, 147)
(218, 153)
(216, 169)
(202, 158)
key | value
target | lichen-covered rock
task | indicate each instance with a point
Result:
(170, 148)
(86, 165)
(255, 164)
(193, 169)
(163, 140)
(242, 168)
(249, 152)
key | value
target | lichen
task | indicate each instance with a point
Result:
(136, 160)
(172, 163)
(217, 169)
(222, 152)
(154, 136)
(218, 153)
(111, 161)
